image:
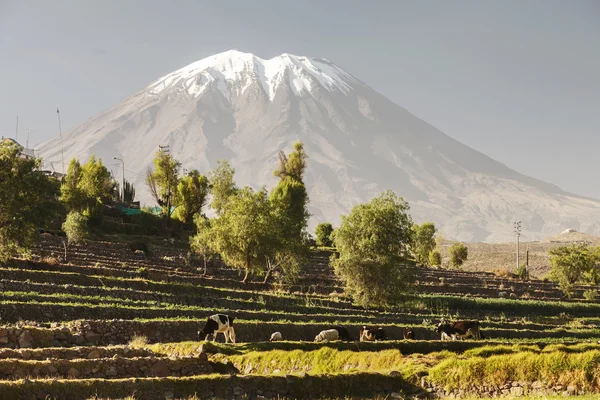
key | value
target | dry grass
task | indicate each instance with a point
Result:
(138, 341)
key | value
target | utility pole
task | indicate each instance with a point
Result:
(27, 143)
(62, 147)
(122, 187)
(517, 225)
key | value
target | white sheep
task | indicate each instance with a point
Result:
(276, 336)
(327, 336)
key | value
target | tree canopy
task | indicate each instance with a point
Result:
(423, 242)
(28, 200)
(570, 264)
(241, 233)
(373, 244)
(192, 191)
(323, 233)
(162, 182)
(87, 187)
(458, 254)
(222, 185)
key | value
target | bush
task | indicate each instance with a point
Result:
(142, 272)
(435, 258)
(323, 234)
(75, 227)
(570, 263)
(590, 294)
(522, 272)
(458, 254)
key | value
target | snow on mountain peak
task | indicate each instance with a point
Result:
(234, 71)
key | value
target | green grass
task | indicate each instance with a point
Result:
(557, 367)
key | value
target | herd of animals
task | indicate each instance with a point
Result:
(458, 330)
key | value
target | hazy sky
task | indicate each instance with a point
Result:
(517, 80)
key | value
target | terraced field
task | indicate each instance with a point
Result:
(112, 323)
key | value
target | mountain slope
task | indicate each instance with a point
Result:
(239, 107)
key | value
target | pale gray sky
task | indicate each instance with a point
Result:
(518, 80)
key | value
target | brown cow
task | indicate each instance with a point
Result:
(459, 330)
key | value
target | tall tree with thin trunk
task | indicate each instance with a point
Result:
(241, 234)
(163, 181)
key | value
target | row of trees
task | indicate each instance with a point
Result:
(255, 231)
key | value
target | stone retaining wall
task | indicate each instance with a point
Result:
(73, 353)
(509, 389)
(106, 368)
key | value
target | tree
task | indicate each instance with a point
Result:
(373, 244)
(97, 185)
(241, 233)
(222, 185)
(163, 181)
(423, 242)
(192, 191)
(129, 193)
(323, 233)
(202, 242)
(28, 200)
(289, 211)
(76, 228)
(458, 254)
(435, 258)
(71, 194)
(570, 263)
(87, 187)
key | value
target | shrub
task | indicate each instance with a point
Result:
(590, 294)
(435, 258)
(458, 254)
(569, 263)
(138, 341)
(323, 234)
(522, 272)
(75, 227)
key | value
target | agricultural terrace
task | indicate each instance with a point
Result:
(113, 323)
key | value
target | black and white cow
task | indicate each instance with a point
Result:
(371, 334)
(218, 323)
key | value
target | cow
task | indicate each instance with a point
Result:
(218, 323)
(408, 334)
(459, 330)
(328, 335)
(371, 334)
(343, 333)
(276, 336)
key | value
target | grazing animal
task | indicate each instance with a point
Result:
(371, 334)
(408, 334)
(459, 330)
(328, 335)
(218, 323)
(276, 336)
(343, 333)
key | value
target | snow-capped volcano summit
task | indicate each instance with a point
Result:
(302, 74)
(243, 108)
